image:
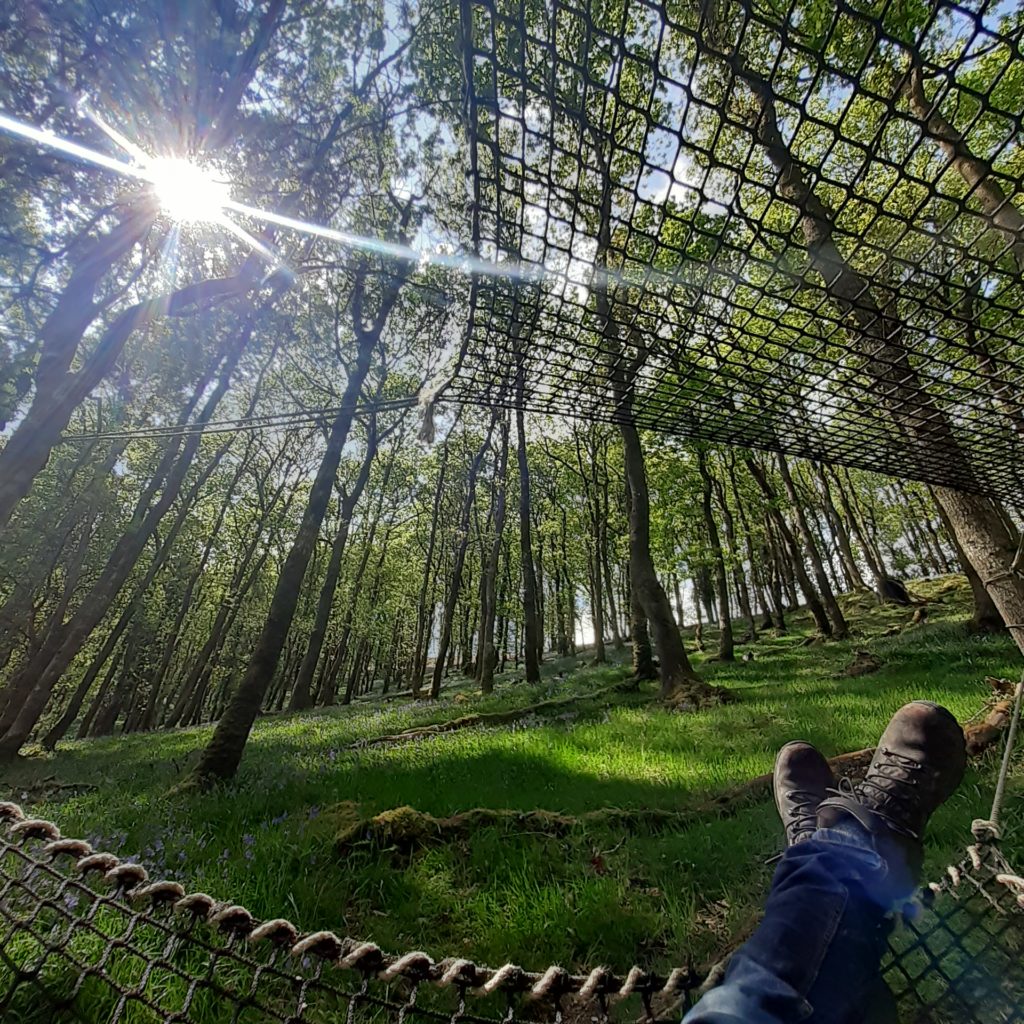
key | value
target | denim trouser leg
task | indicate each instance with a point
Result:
(815, 956)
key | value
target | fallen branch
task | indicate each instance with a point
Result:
(983, 734)
(407, 829)
(485, 718)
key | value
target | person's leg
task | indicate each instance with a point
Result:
(815, 957)
(822, 933)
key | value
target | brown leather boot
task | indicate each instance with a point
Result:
(917, 766)
(800, 782)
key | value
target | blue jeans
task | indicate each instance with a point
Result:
(815, 956)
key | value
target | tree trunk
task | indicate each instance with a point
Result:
(839, 531)
(29, 447)
(986, 617)
(222, 755)
(725, 640)
(840, 629)
(980, 529)
(29, 694)
(458, 562)
(531, 627)
(301, 695)
(643, 655)
(795, 561)
(739, 579)
(679, 682)
(488, 655)
(425, 613)
(989, 546)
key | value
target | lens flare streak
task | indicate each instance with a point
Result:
(152, 170)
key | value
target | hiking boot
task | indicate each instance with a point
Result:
(917, 766)
(800, 782)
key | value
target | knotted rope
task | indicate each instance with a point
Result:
(133, 883)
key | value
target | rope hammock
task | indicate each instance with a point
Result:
(88, 937)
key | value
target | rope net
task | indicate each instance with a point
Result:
(86, 937)
(779, 224)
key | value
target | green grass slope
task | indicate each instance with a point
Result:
(618, 890)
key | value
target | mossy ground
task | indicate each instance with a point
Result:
(604, 891)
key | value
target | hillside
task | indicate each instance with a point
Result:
(633, 861)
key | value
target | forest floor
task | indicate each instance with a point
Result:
(658, 889)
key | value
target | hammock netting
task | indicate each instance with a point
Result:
(736, 222)
(87, 937)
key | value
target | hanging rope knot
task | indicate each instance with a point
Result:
(636, 981)
(553, 983)
(199, 904)
(597, 983)
(414, 966)
(325, 945)
(159, 893)
(367, 957)
(507, 978)
(985, 830)
(459, 972)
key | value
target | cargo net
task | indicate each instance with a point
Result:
(956, 957)
(783, 225)
(87, 937)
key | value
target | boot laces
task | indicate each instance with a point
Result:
(803, 814)
(893, 780)
(890, 784)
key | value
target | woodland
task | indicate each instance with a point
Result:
(263, 512)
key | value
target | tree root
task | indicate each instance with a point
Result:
(690, 695)
(406, 829)
(488, 718)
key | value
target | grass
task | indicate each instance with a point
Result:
(597, 895)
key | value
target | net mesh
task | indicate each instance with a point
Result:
(782, 225)
(86, 937)
(960, 958)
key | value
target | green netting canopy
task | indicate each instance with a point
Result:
(780, 225)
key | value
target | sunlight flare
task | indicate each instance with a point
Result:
(187, 192)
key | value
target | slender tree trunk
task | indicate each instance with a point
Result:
(458, 562)
(222, 755)
(531, 627)
(739, 579)
(839, 531)
(301, 695)
(609, 586)
(840, 629)
(85, 726)
(425, 613)
(725, 639)
(643, 655)
(488, 655)
(795, 561)
(871, 554)
(679, 682)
